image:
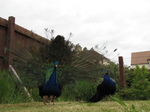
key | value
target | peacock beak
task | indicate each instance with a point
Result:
(56, 64)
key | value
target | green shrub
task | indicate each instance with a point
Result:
(140, 86)
(10, 91)
(84, 90)
(35, 94)
(79, 91)
(68, 92)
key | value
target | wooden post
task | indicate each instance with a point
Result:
(121, 69)
(10, 41)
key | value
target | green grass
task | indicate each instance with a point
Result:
(107, 106)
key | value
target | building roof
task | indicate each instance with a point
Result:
(140, 57)
(92, 54)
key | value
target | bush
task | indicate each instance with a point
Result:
(35, 94)
(79, 91)
(140, 86)
(10, 92)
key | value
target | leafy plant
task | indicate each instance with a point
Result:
(140, 86)
(79, 91)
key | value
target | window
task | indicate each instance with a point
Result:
(148, 61)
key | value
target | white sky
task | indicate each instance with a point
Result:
(121, 24)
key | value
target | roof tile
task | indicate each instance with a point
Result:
(140, 57)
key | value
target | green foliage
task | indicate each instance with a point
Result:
(79, 91)
(68, 92)
(140, 86)
(10, 90)
(129, 76)
(35, 94)
(84, 90)
(141, 74)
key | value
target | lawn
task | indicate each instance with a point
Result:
(107, 106)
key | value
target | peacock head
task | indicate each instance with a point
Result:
(56, 64)
(106, 71)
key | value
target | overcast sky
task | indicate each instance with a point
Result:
(121, 24)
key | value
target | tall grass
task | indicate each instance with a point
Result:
(131, 108)
(10, 90)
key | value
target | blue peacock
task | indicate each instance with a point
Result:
(51, 89)
(106, 87)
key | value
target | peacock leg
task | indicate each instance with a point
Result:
(54, 97)
(49, 100)
(53, 100)
(44, 100)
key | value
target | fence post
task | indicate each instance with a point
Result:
(121, 69)
(10, 41)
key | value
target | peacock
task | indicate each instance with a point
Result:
(51, 89)
(106, 87)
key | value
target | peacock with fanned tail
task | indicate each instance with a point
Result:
(51, 89)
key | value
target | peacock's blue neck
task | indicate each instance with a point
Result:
(106, 78)
(52, 79)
